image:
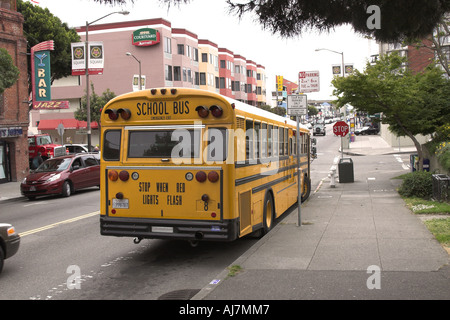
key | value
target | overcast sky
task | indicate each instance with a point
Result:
(209, 19)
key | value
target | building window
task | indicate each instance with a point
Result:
(177, 73)
(195, 54)
(188, 51)
(180, 49)
(168, 72)
(202, 78)
(197, 79)
(204, 57)
(184, 74)
(236, 69)
(223, 64)
(167, 45)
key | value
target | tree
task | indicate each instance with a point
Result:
(437, 43)
(9, 73)
(96, 103)
(312, 111)
(40, 25)
(410, 103)
(399, 19)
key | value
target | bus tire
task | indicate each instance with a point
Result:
(268, 213)
(306, 189)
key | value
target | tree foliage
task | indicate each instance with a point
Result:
(9, 73)
(41, 25)
(96, 103)
(400, 19)
(411, 103)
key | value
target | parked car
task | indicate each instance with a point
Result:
(75, 148)
(366, 130)
(9, 242)
(63, 175)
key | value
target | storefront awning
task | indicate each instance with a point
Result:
(52, 124)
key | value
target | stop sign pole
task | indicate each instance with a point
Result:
(341, 129)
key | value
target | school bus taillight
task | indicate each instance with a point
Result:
(119, 195)
(124, 113)
(216, 111)
(202, 111)
(200, 176)
(112, 114)
(213, 176)
(113, 175)
(124, 175)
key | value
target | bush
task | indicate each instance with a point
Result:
(417, 184)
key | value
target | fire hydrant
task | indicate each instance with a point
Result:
(332, 176)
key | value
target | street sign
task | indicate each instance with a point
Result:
(60, 129)
(297, 105)
(340, 128)
(308, 81)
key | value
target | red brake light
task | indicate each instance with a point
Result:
(163, 91)
(173, 91)
(124, 113)
(112, 114)
(202, 111)
(113, 175)
(213, 176)
(153, 91)
(216, 111)
(200, 176)
(124, 175)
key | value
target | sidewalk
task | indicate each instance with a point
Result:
(374, 145)
(347, 232)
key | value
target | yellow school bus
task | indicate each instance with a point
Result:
(189, 164)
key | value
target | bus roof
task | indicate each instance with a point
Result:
(263, 113)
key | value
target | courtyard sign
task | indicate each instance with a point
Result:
(145, 37)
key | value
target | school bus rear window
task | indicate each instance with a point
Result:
(164, 144)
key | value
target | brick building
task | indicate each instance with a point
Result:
(14, 101)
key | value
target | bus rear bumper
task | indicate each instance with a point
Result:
(225, 230)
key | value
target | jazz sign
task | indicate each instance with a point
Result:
(41, 77)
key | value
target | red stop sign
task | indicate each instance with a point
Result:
(340, 128)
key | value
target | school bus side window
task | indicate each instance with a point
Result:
(257, 140)
(217, 144)
(249, 139)
(111, 145)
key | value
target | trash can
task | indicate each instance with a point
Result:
(345, 167)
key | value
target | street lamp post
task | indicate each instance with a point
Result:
(87, 54)
(341, 53)
(139, 61)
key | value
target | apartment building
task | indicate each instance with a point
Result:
(176, 58)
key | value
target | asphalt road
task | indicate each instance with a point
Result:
(61, 241)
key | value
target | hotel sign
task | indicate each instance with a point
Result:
(145, 37)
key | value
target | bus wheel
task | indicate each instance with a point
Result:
(306, 189)
(268, 216)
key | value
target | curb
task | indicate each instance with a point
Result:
(218, 280)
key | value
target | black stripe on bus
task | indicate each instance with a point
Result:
(270, 184)
(258, 176)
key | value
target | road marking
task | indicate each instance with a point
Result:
(53, 225)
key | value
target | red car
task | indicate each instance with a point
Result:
(63, 175)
